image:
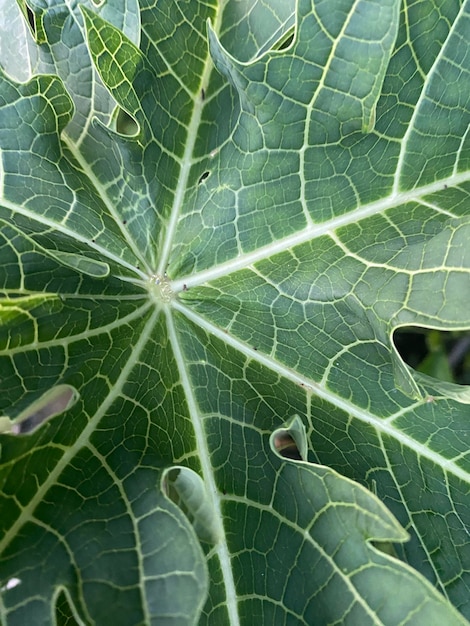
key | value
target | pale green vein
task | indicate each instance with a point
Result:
(55, 226)
(417, 109)
(110, 206)
(382, 426)
(65, 342)
(269, 509)
(84, 438)
(314, 231)
(411, 516)
(186, 164)
(208, 475)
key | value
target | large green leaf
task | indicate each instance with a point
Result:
(213, 220)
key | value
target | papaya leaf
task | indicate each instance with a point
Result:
(214, 217)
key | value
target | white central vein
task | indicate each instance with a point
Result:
(423, 96)
(186, 164)
(382, 426)
(313, 231)
(84, 438)
(208, 474)
(72, 234)
(201, 439)
(108, 202)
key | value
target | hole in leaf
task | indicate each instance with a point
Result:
(11, 584)
(203, 177)
(290, 442)
(286, 446)
(125, 123)
(53, 402)
(386, 547)
(34, 18)
(444, 355)
(31, 18)
(286, 40)
(64, 611)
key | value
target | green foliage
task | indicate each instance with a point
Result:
(214, 218)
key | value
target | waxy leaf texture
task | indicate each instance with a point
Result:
(214, 216)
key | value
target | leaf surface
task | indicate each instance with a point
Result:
(205, 251)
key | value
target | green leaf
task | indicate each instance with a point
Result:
(214, 218)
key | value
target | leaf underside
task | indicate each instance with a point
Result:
(213, 220)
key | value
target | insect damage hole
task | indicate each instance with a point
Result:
(286, 446)
(203, 177)
(125, 123)
(52, 403)
(286, 40)
(444, 355)
(290, 442)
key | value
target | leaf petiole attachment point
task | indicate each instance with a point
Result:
(161, 288)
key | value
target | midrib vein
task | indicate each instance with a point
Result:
(186, 164)
(208, 474)
(314, 231)
(382, 426)
(83, 439)
(65, 342)
(423, 95)
(106, 201)
(73, 235)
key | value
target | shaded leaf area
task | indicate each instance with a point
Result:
(222, 282)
